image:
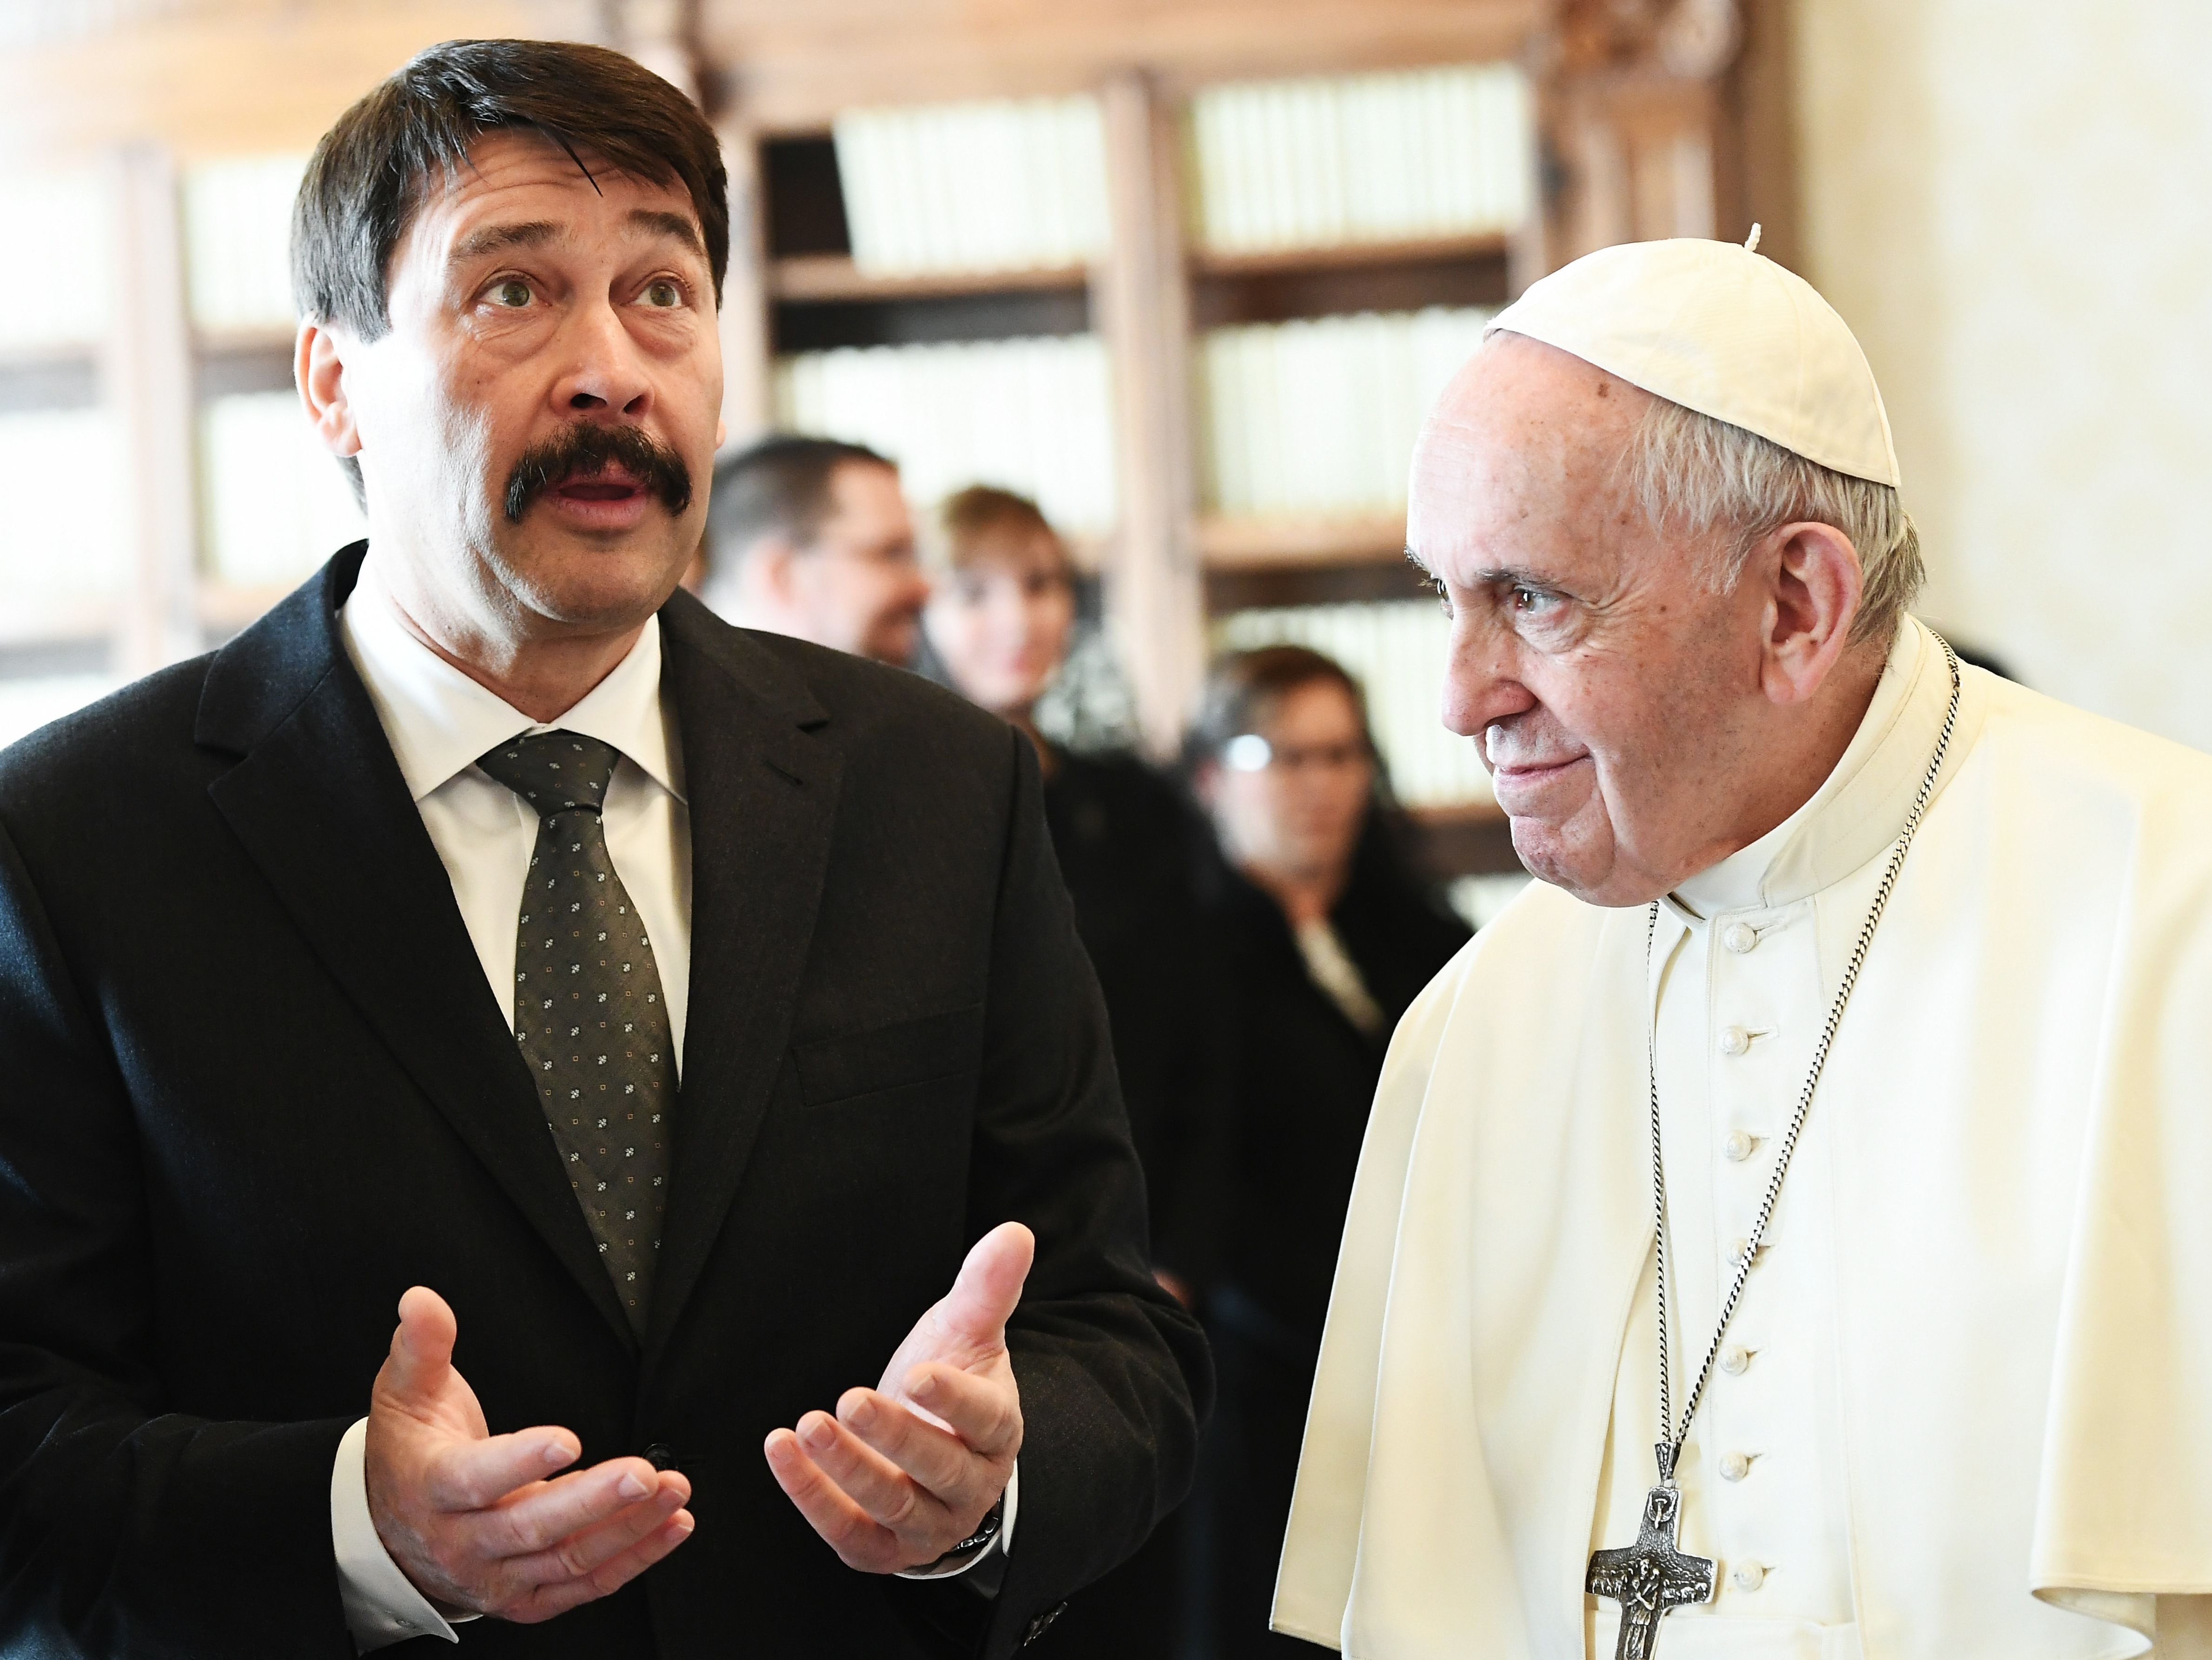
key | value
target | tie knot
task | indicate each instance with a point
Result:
(554, 771)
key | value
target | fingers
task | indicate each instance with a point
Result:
(467, 1475)
(989, 1287)
(422, 1345)
(611, 1575)
(983, 1411)
(859, 1540)
(580, 1553)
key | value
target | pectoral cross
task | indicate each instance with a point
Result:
(1651, 1576)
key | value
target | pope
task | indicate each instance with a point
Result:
(1783, 1231)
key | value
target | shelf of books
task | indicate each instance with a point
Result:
(934, 289)
(267, 505)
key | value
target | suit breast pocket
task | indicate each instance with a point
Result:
(932, 1049)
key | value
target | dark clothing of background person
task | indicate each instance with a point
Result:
(1279, 1164)
(1125, 834)
(253, 1085)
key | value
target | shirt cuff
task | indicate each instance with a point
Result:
(382, 1606)
(988, 1565)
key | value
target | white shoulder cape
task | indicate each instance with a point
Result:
(2021, 1107)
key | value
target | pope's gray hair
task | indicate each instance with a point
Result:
(1694, 474)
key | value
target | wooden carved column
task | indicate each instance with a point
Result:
(1636, 115)
(147, 371)
(1154, 604)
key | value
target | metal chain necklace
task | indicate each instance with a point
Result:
(1654, 1574)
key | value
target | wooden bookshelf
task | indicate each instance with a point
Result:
(1288, 543)
(1493, 245)
(834, 276)
(1654, 118)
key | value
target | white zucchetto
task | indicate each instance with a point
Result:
(1724, 332)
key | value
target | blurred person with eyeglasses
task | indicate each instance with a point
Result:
(1326, 934)
(812, 537)
(998, 628)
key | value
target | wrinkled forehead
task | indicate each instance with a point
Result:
(542, 191)
(1524, 431)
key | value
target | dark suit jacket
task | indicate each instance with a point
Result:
(253, 1085)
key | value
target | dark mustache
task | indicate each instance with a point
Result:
(585, 449)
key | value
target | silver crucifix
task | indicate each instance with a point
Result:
(1651, 1576)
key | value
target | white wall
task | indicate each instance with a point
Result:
(2011, 202)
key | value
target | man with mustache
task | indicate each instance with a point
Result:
(1780, 1232)
(492, 935)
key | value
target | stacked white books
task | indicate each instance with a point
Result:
(1365, 158)
(238, 231)
(1003, 185)
(63, 551)
(273, 502)
(1396, 650)
(1319, 415)
(55, 290)
(1028, 415)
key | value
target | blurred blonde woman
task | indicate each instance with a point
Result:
(999, 625)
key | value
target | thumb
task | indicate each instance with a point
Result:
(422, 1347)
(989, 1287)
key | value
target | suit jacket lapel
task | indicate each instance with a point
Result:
(320, 804)
(763, 795)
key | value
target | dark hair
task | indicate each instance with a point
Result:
(1244, 690)
(780, 486)
(970, 517)
(368, 176)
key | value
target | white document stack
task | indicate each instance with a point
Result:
(1395, 649)
(56, 290)
(1005, 185)
(62, 551)
(1396, 156)
(1029, 415)
(273, 503)
(237, 229)
(1319, 415)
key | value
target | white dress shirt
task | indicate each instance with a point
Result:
(439, 720)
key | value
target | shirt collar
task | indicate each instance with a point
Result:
(439, 720)
(1860, 810)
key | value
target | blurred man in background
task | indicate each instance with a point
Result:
(811, 538)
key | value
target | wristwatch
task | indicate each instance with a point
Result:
(964, 1554)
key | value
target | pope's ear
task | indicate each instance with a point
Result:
(318, 369)
(1813, 577)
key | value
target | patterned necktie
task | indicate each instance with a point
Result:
(588, 1011)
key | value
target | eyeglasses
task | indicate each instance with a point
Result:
(1249, 752)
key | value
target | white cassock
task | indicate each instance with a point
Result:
(1965, 1412)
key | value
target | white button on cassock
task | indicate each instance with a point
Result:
(1734, 1467)
(1735, 1358)
(1739, 937)
(1734, 1040)
(1737, 1146)
(1749, 1576)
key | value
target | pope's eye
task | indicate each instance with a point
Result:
(510, 291)
(1529, 599)
(663, 294)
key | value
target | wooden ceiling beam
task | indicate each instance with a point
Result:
(793, 64)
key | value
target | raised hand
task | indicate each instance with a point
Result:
(469, 1516)
(908, 1469)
